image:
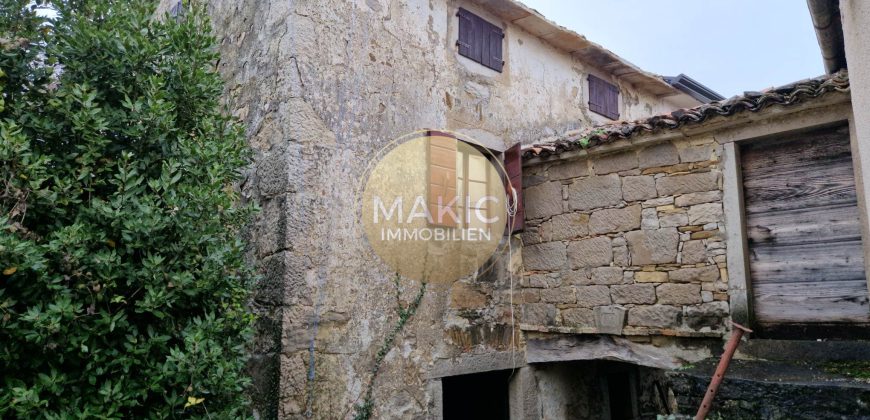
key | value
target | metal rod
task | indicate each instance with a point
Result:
(730, 348)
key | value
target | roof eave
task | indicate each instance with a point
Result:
(829, 32)
(717, 125)
(577, 45)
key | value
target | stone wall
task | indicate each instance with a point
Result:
(637, 234)
(322, 86)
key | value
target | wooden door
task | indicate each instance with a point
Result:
(805, 254)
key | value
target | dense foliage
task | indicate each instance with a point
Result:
(123, 283)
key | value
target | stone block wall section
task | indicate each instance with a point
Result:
(638, 233)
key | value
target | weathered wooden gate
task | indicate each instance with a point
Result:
(804, 234)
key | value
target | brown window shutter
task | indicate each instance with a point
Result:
(596, 99)
(466, 32)
(442, 178)
(612, 101)
(480, 40)
(603, 98)
(495, 37)
(514, 167)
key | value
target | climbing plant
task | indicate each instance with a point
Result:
(363, 410)
(122, 279)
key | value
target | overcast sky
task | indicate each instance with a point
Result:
(730, 46)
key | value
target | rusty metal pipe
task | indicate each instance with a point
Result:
(730, 348)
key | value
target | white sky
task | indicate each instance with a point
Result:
(730, 46)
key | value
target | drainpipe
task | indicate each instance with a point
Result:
(829, 32)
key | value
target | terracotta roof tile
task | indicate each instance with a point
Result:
(787, 95)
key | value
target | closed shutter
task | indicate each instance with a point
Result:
(495, 36)
(442, 178)
(514, 168)
(480, 40)
(466, 32)
(596, 99)
(603, 98)
(612, 110)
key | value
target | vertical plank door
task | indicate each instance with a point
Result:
(805, 254)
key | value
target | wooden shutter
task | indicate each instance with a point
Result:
(603, 98)
(466, 32)
(612, 110)
(514, 167)
(442, 177)
(480, 40)
(495, 36)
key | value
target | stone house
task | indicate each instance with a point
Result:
(751, 209)
(630, 263)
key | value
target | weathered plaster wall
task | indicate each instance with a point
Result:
(639, 231)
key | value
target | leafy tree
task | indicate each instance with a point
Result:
(123, 281)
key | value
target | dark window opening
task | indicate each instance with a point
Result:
(603, 98)
(477, 396)
(480, 40)
(449, 177)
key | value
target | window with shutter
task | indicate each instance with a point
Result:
(480, 40)
(603, 98)
(458, 179)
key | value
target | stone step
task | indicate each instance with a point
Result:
(773, 390)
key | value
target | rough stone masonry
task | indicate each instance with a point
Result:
(322, 86)
(638, 233)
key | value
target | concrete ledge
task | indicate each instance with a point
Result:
(627, 331)
(663, 356)
(804, 350)
(476, 363)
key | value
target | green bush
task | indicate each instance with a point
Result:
(124, 282)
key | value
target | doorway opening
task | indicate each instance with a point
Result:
(477, 396)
